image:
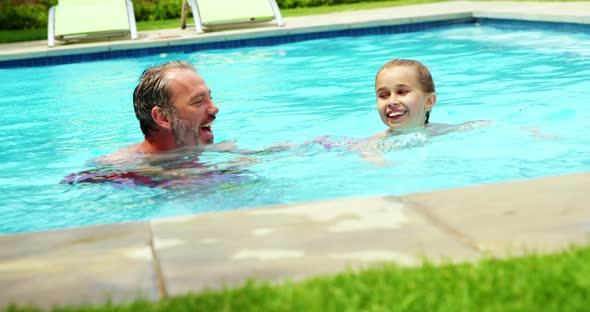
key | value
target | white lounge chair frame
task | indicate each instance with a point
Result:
(51, 23)
(199, 25)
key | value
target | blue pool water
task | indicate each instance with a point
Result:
(56, 118)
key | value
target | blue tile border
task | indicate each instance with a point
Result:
(523, 25)
(291, 38)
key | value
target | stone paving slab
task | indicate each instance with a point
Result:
(545, 215)
(296, 241)
(291, 242)
(75, 266)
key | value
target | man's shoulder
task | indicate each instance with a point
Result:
(124, 155)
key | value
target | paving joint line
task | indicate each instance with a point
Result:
(438, 222)
(160, 282)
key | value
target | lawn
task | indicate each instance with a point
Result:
(556, 282)
(7, 36)
(301, 11)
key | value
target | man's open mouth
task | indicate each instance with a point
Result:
(206, 133)
(206, 128)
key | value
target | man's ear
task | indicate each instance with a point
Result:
(430, 101)
(160, 118)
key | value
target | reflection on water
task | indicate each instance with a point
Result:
(183, 168)
(317, 99)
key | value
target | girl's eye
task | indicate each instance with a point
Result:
(383, 95)
(402, 92)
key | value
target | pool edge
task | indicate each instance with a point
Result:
(173, 256)
(397, 19)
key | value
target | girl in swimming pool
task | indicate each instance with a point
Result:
(405, 97)
(405, 94)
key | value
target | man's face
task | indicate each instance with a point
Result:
(195, 110)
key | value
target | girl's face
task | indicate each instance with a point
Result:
(400, 100)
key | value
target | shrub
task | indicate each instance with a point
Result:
(286, 4)
(15, 14)
(27, 14)
(152, 10)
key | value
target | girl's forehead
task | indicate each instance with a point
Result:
(403, 70)
(398, 74)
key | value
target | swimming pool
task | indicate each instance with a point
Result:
(56, 118)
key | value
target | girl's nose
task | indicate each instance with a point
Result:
(392, 103)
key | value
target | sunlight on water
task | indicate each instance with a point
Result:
(57, 118)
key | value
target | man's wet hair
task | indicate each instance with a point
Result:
(154, 90)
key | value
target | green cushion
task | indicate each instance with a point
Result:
(78, 2)
(234, 11)
(79, 17)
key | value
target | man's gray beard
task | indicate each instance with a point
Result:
(184, 133)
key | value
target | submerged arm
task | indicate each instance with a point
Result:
(231, 147)
(371, 150)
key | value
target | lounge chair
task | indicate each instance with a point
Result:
(78, 19)
(211, 13)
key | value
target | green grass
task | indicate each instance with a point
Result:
(351, 7)
(8, 36)
(173, 23)
(557, 282)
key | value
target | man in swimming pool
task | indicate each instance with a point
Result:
(174, 107)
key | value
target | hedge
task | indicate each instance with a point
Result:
(28, 14)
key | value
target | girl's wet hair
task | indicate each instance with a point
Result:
(424, 76)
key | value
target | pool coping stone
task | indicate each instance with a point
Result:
(86, 265)
(173, 256)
